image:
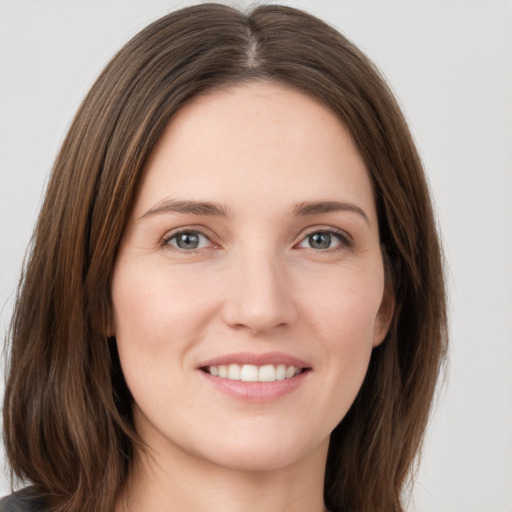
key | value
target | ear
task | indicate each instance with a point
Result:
(384, 316)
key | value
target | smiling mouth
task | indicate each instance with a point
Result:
(253, 373)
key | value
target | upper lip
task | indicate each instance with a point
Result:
(242, 358)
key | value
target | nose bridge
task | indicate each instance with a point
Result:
(259, 296)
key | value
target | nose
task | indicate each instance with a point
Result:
(259, 295)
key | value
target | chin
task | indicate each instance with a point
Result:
(264, 451)
(253, 459)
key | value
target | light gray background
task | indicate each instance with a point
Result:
(450, 64)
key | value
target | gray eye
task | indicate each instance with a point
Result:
(188, 240)
(323, 240)
(320, 240)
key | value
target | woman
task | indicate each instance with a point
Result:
(234, 297)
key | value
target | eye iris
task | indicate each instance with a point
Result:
(187, 240)
(320, 240)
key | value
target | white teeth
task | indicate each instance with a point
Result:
(249, 373)
(234, 372)
(281, 372)
(253, 373)
(267, 373)
(290, 372)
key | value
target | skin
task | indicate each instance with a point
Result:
(257, 283)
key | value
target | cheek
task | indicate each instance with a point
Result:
(151, 305)
(346, 308)
(160, 314)
(150, 317)
(344, 320)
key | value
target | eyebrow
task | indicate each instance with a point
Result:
(318, 208)
(192, 207)
(208, 208)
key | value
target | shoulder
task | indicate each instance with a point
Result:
(25, 500)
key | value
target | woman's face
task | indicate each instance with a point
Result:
(248, 289)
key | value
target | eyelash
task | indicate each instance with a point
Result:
(344, 240)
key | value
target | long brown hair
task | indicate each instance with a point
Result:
(67, 411)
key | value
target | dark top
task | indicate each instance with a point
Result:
(25, 500)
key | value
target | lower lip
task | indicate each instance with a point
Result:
(256, 391)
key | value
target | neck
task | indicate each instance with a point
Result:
(179, 481)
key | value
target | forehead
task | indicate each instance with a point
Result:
(256, 141)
